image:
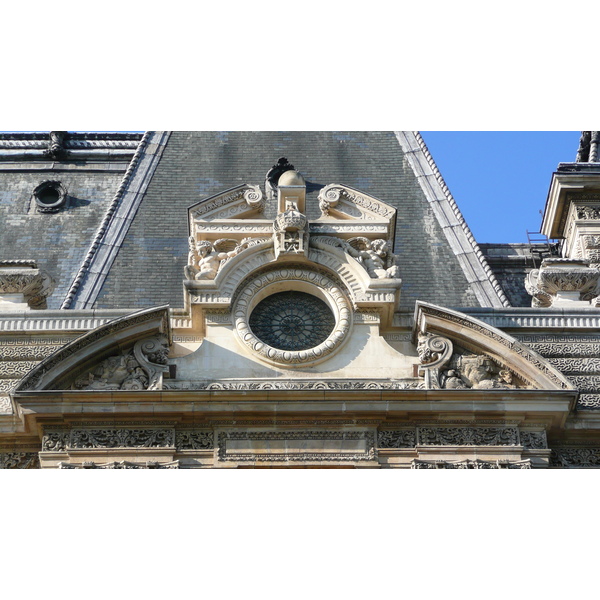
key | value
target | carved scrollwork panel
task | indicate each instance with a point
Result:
(19, 460)
(194, 440)
(470, 464)
(468, 436)
(399, 438)
(575, 457)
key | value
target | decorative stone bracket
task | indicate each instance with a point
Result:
(23, 286)
(563, 282)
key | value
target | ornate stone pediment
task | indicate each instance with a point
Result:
(129, 353)
(459, 352)
(352, 240)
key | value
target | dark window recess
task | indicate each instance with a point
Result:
(50, 196)
(292, 321)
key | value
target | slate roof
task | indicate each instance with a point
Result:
(92, 173)
(148, 269)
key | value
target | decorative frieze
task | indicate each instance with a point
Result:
(470, 464)
(55, 441)
(576, 365)
(16, 369)
(587, 384)
(399, 438)
(588, 401)
(125, 464)
(575, 457)
(296, 446)
(564, 350)
(19, 460)
(60, 441)
(5, 405)
(460, 436)
(362, 384)
(533, 440)
(194, 440)
(468, 436)
(26, 352)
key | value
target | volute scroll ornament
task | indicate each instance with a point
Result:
(434, 352)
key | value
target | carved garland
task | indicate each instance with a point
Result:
(328, 286)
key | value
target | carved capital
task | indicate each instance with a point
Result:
(22, 281)
(560, 282)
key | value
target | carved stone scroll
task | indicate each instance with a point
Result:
(434, 352)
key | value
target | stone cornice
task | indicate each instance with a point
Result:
(556, 319)
(58, 320)
(552, 406)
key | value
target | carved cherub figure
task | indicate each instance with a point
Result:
(375, 256)
(204, 258)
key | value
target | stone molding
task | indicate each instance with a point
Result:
(532, 318)
(470, 464)
(471, 259)
(125, 464)
(410, 437)
(337, 198)
(57, 321)
(304, 385)
(72, 141)
(302, 437)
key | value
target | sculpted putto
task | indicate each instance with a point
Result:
(374, 255)
(205, 258)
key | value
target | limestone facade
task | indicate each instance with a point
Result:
(292, 344)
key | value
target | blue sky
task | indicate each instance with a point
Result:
(500, 179)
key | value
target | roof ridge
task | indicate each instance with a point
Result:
(75, 285)
(485, 296)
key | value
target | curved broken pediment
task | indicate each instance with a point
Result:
(460, 352)
(128, 353)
